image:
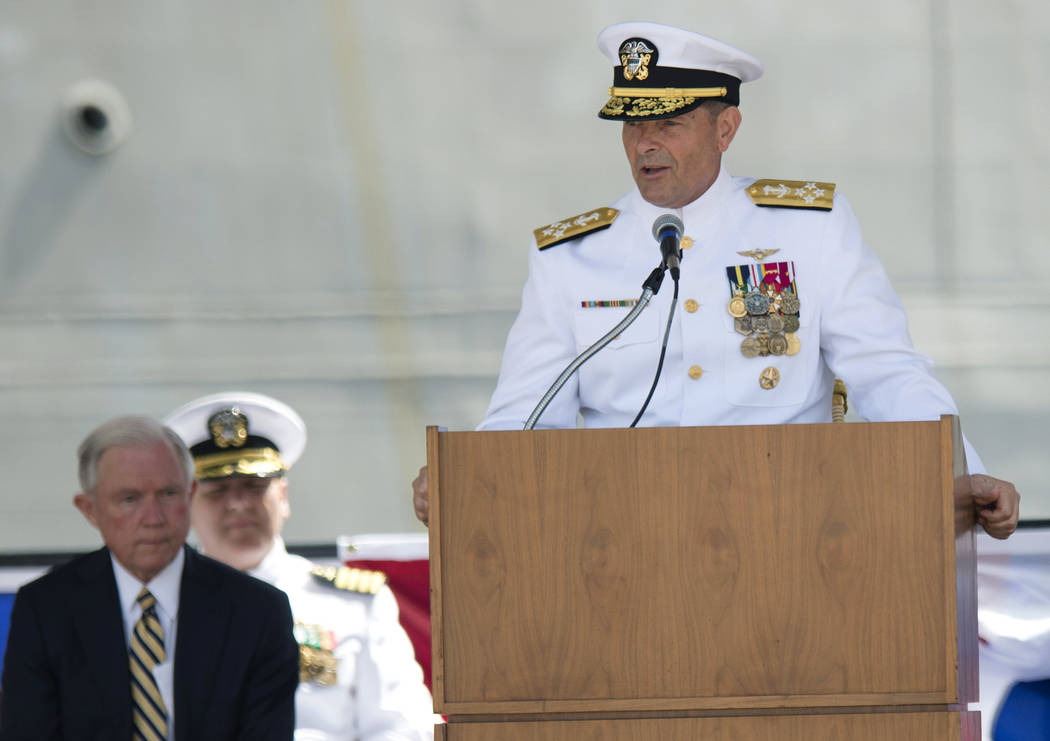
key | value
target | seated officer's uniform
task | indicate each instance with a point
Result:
(358, 675)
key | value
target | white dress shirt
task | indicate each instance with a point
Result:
(165, 589)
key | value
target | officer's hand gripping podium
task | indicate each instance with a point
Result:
(769, 582)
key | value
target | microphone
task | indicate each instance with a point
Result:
(667, 230)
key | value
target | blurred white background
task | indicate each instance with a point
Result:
(331, 202)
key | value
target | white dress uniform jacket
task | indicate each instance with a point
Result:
(379, 691)
(852, 325)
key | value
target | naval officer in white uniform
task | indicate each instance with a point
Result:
(780, 294)
(359, 680)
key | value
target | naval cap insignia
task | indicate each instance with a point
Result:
(228, 428)
(635, 56)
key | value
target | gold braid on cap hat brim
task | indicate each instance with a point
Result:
(243, 462)
(655, 101)
(669, 92)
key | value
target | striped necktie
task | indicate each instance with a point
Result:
(149, 717)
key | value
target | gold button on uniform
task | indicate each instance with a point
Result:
(691, 305)
(695, 371)
(686, 242)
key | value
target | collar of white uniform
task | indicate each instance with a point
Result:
(269, 568)
(697, 215)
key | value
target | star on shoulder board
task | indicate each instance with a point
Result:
(574, 227)
(792, 194)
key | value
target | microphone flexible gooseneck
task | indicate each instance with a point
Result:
(650, 289)
(667, 230)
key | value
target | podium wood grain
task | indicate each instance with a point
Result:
(961, 726)
(699, 568)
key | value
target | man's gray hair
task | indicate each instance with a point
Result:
(132, 431)
(714, 107)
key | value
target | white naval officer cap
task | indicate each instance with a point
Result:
(661, 71)
(239, 433)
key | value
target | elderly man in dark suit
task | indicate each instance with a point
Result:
(145, 638)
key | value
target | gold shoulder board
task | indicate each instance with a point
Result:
(350, 579)
(792, 194)
(576, 226)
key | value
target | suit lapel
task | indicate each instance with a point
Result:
(203, 630)
(99, 625)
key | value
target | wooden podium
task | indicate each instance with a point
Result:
(770, 582)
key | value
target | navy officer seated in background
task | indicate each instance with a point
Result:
(359, 676)
(781, 293)
(145, 638)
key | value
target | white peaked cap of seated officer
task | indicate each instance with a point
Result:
(661, 71)
(239, 433)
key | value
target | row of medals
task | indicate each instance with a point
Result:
(317, 661)
(768, 319)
